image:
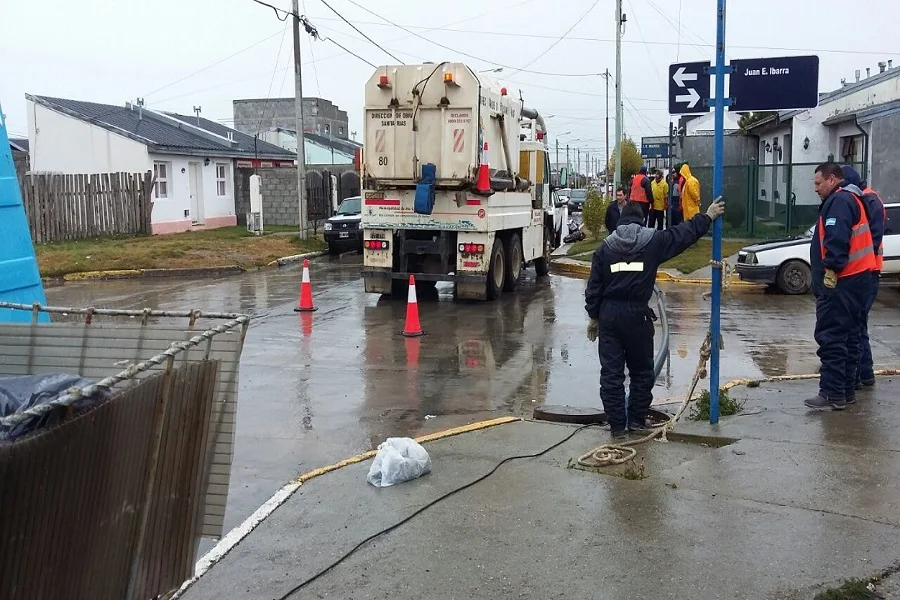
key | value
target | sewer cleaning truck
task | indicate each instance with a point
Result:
(455, 183)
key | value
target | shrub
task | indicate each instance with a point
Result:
(594, 212)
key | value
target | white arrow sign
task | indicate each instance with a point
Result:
(691, 98)
(680, 77)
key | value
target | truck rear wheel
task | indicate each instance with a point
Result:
(497, 270)
(542, 264)
(513, 263)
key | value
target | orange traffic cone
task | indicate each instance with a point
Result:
(305, 303)
(483, 184)
(412, 328)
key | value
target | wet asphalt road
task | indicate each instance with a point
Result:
(316, 388)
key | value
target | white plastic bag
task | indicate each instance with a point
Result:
(398, 460)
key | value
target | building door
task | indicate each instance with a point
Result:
(195, 178)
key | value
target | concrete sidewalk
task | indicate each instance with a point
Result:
(776, 502)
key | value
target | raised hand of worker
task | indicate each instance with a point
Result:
(593, 329)
(716, 209)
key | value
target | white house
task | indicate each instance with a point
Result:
(857, 124)
(193, 159)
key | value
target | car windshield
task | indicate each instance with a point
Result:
(578, 194)
(809, 232)
(350, 206)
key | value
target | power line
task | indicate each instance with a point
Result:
(559, 39)
(647, 49)
(687, 32)
(312, 53)
(218, 62)
(472, 56)
(272, 80)
(606, 40)
(277, 10)
(359, 31)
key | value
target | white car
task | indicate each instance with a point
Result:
(785, 263)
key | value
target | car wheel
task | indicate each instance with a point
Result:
(794, 277)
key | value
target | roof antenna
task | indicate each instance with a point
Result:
(197, 111)
(140, 103)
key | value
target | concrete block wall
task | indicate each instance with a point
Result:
(256, 115)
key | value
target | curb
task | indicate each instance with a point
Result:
(286, 260)
(179, 272)
(149, 273)
(236, 535)
(585, 270)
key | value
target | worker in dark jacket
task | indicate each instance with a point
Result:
(842, 259)
(614, 211)
(623, 271)
(865, 373)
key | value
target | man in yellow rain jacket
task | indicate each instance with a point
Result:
(660, 201)
(690, 193)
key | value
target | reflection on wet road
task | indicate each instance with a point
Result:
(316, 388)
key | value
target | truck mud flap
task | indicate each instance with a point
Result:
(473, 278)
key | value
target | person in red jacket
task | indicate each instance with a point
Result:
(641, 192)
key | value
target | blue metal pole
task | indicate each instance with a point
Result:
(715, 328)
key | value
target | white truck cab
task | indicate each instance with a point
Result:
(452, 188)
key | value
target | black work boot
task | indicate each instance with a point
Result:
(867, 383)
(640, 426)
(820, 402)
(619, 434)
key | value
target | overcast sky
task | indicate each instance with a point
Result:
(178, 54)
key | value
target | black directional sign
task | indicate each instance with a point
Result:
(774, 83)
(688, 88)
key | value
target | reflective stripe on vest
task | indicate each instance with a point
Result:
(861, 253)
(626, 267)
(879, 251)
(638, 193)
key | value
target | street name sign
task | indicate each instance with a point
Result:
(689, 88)
(781, 83)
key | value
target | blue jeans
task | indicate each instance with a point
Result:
(866, 364)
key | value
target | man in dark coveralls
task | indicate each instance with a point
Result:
(623, 272)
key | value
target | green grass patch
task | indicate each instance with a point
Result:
(222, 247)
(851, 589)
(694, 258)
(586, 245)
(727, 406)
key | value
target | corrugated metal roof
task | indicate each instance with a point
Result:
(147, 127)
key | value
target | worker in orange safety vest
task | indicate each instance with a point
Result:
(842, 260)
(641, 192)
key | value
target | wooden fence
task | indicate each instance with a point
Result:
(74, 207)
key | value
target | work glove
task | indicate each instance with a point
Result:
(593, 329)
(830, 279)
(716, 209)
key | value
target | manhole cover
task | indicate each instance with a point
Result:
(578, 415)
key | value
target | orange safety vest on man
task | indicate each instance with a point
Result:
(862, 254)
(638, 193)
(879, 251)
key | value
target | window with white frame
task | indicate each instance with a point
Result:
(161, 187)
(221, 180)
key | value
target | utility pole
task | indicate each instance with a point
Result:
(578, 169)
(557, 161)
(567, 165)
(298, 113)
(606, 76)
(619, 22)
